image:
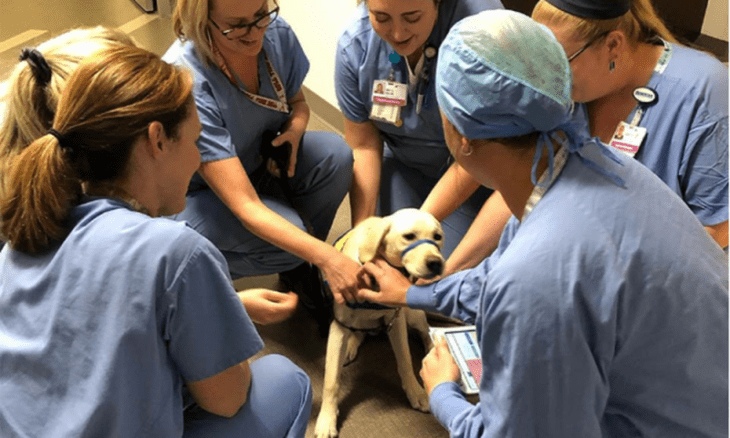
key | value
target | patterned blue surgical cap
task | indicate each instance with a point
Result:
(500, 74)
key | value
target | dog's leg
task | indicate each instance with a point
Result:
(398, 335)
(417, 321)
(326, 426)
(353, 343)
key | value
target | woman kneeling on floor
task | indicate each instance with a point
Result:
(115, 322)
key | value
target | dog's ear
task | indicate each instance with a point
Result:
(376, 231)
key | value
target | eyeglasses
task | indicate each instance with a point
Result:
(587, 45)
(241, 30)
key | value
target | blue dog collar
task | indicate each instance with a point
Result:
(415, 244)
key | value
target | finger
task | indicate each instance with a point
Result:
(370, 268)
(350, 294)
(426, 362)
(276, 296)
(290, 300)
(368, 295)
(272, 168)
(382, 264)
(364, 278)
(292, 165)
(444, 353)
(278, 141)
(338, 298)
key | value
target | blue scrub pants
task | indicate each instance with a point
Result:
(402, 186)
(321, 181)
(278, 405)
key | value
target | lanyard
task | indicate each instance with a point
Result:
(423, 71)
(540, 188)
(280, 105)
(661, 65)
(429, 53)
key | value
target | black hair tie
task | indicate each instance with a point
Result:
(62, 141)
(38, 64)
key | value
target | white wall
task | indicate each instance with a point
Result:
(318, 25)
(716, 19)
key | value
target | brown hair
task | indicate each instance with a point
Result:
(436, 2)
(640, 25)
(31, 103)
(190, 22)
(108, 103)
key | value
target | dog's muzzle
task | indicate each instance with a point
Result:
(417, 243)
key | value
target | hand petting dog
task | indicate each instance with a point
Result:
(392, 284)
(340, 273)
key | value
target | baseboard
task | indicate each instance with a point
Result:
(327, 113)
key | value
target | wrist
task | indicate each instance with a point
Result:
(324, 254)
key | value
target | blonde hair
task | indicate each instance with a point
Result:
(30, 103)
(108, 103)
(640, 25)
(190, 23)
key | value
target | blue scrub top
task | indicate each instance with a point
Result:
(98, 335)
(362, 57)
(592, 323)
(232, 124)
(686, 144)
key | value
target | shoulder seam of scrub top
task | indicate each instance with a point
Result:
(355, 21)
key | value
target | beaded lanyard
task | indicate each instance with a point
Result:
(280, 105)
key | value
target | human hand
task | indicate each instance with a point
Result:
(438, 366)
(266, 306)
(292, 136)
(426, 281)
(340, 272)
(392, 284)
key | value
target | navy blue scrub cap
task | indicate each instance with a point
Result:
(593, 9)
(501, 74)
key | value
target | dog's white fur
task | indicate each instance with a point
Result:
(387, 238)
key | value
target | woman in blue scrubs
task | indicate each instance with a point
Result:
(632, 77)
(399, 151)
(33, 91)
(115, 322)
(590, 321)
(248, 69)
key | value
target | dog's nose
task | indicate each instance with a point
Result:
(435, 266)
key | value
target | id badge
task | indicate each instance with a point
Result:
(386, 113)
(627, 138)
(388, 99)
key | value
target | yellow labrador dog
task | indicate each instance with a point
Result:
(409, 239)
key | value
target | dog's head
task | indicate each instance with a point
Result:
(409, 238)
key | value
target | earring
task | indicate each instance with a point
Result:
(466, 152)
(611, 66)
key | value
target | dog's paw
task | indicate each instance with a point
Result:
(326, 427)
(418, 398)
(353, 344)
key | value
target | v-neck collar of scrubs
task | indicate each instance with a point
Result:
(280, 104)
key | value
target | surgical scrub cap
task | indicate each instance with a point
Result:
(596, 9)
(500, 74)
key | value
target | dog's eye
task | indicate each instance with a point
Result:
(410, 236)
(437, 237)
